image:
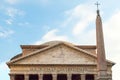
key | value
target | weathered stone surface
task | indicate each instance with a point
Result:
(55, 69)
(60, 54)
(60, 59)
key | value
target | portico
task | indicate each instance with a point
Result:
(53, 77)
(56, 61)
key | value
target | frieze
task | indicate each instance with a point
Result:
(54, 70)
(63, 69)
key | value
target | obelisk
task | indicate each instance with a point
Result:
(101, 58)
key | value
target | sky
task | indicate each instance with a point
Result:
(26, 22)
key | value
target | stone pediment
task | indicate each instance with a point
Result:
(58, 54)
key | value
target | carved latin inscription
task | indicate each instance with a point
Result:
(55, 69)
(63, 69)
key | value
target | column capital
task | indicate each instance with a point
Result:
(54, 75)
(11, 74)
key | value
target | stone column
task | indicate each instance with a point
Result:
(12, 77)
(69, 76)
(40, 76)
(54, 76)
(26, 76)
(82, 76)
(95, 76)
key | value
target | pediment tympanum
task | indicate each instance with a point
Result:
(58, 54)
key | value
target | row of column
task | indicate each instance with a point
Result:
(54, 77)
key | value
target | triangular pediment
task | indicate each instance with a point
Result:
(58, 54)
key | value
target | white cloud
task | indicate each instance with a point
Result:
(112, 40)
(9, 21)
(12, 2)
(116, 67)
(79, 27)
(5, 32)
(81, 16)
(13, 12)
(41, 2)
(52, 35)
(111, 28)
(23, 23)
(44, 1)
(4, 70)
(38, 2)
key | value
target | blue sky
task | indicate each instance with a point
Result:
(24, 22)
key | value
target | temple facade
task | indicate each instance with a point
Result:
(59, 60)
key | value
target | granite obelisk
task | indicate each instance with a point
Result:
(101, 58)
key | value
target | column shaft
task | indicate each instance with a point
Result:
(82, 76)
(12, 77)
(26, 77)
(95, 76)
(69, 76)
(54, 76)
(40, 76)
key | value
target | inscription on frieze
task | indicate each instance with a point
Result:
(55, 69)
(62, 69)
